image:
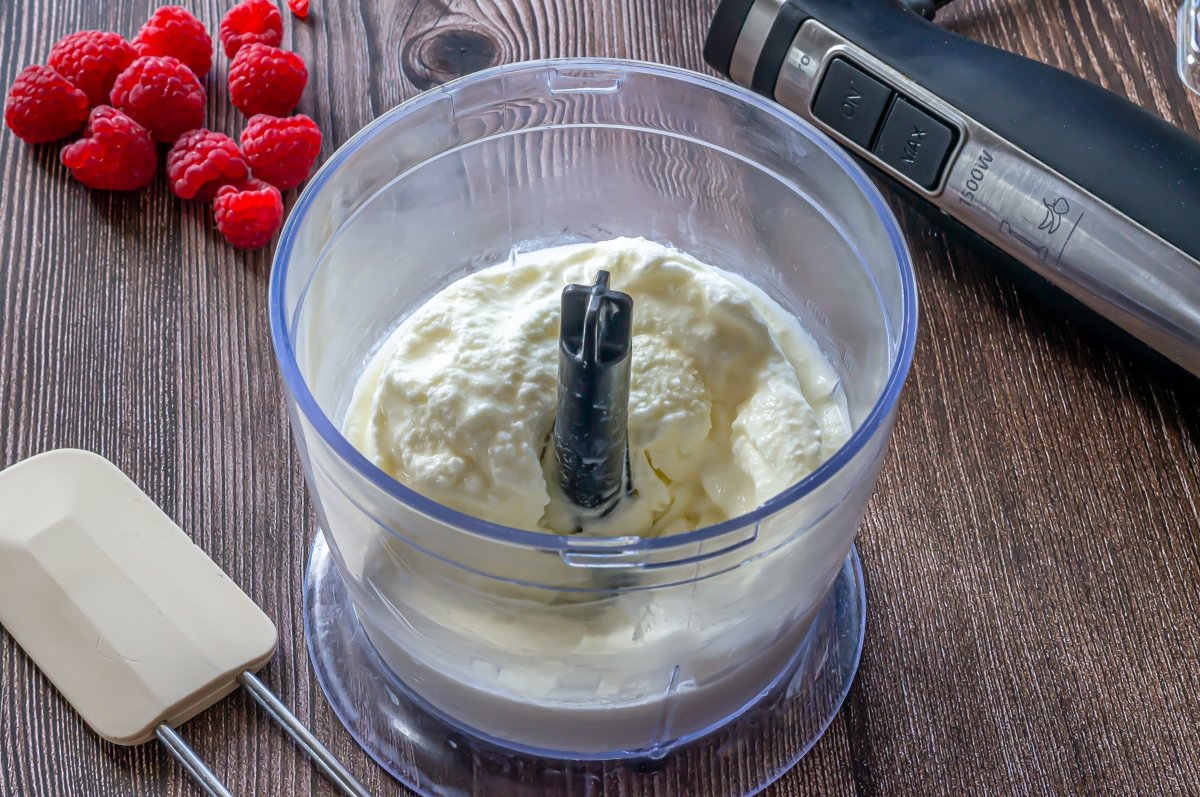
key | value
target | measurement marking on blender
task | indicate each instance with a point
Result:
(1067, 240)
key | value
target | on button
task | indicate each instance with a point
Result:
(851, 102)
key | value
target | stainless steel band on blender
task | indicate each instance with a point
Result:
(1122, 237)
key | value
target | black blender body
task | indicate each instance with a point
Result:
(1088, 192)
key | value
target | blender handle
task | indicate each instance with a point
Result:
(1122, 154)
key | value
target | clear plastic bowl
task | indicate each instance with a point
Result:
(589, 647)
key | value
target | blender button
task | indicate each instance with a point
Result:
(915, 143)
(851, 102)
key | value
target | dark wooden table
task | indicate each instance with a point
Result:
(1032, 553)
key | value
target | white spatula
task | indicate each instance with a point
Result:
(133, 623)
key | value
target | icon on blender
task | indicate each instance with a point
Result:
(1055, 210)
(1038, 249)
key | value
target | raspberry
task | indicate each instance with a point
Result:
(281, 151)
(162, 94)
(248, 215)
(299, 8)
(173, 31)
(91, 59)
(115, 153)
(203, 161)
(43, 105)
(251, 22)
(265, 79)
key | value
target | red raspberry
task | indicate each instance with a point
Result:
(201, 162)
(265, 79)
(162, 94)
(91, 59)
(248, 215)
(43, 105)
(173, 31)
(115, 153)
(251, 22)
(281, 151)
(299, 8)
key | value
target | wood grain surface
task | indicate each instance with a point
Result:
(1032, 552)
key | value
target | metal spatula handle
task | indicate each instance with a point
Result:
(212, 785)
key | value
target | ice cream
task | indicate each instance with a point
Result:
(731, 400)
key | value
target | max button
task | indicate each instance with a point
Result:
(851, 102)
(915, 143)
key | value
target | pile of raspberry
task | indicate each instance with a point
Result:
(130, 96)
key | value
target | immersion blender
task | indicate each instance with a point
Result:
(1096, 196)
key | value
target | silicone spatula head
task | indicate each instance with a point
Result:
(133, 623)
(591, 436)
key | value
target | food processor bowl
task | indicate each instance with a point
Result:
(472, 658)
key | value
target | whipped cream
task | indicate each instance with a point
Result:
(731, 401)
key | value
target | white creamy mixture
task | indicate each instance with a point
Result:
(731, 400)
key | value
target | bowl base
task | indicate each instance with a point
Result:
(436, 757)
